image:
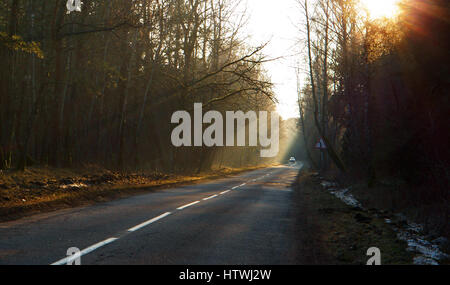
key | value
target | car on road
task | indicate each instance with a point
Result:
(292, 160)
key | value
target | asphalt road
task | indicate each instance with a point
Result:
(245, 219)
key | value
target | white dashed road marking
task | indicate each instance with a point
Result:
(144, 224)
(90, 249)
(85, 251)
(211, 197)
(188, 205)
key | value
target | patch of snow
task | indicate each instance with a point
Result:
(342, 194)
(424, 247)
(346, 197)
(422, 260)
(414, 227)
(73, 185)
(428, 253)
(327, 184)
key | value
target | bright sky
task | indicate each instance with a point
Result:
(274, 20)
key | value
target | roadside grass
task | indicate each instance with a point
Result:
(416, 205)
(44, 189)
(342, 234)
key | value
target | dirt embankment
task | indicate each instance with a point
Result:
(38, 190)
(332, 232)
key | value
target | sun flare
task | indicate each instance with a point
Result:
(378, 9)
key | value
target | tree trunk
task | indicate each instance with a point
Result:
(330, 149)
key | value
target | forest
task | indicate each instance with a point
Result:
(98, 85)
(377, 92)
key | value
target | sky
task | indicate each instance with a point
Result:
(275, 20)
(278, 21)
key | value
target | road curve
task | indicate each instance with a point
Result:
(245, 219)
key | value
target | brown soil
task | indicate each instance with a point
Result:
(42, 189)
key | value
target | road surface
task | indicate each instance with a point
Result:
(244, 219)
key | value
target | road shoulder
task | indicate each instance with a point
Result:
(331, 232)
(39, 191)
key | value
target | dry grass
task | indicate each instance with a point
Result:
(432, 213)
(336, 233)
(43, 189)
(425, 204)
